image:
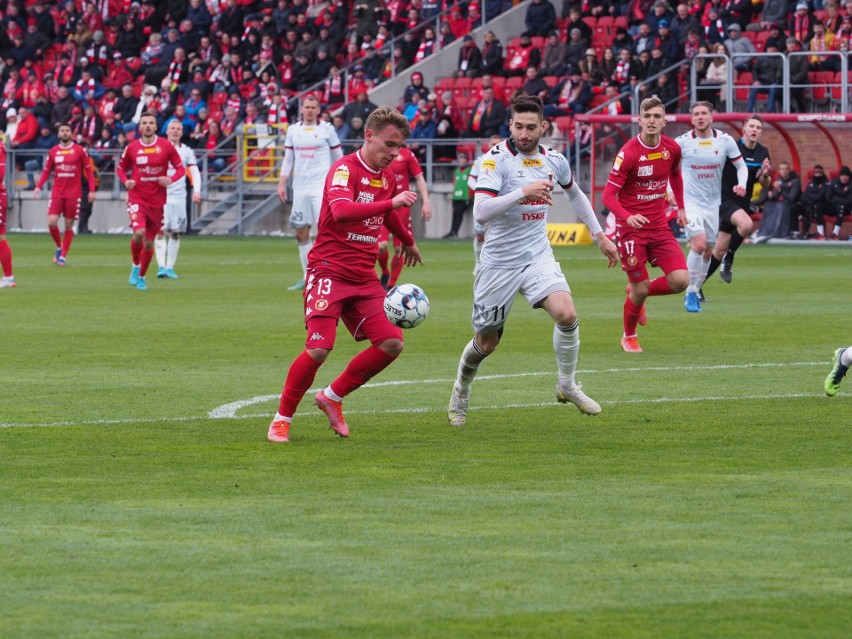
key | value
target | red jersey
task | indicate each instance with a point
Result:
(405, 166)
(356, 202)
(71, 163)
(146, 163)
(641, 175)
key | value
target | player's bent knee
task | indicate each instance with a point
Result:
(678, 281)
(319, 355)
(392, 347)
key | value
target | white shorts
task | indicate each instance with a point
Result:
(174, 216)
(494, 290)
(306, 207)
(701, 222)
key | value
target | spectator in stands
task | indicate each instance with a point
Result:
(714, 83)
(20, 52)
(424, 128)
(46, 140)
(360, 108)
(575, 21)
(774, 12)
(839, 200)
(29, 90)
(199, 15)
(833, 19)
(87, 90)
(660, 12)
(26, 132)
(42, 109)
(97, 50)
(659, 62)
(415, 87)
(470, 59)
(608, 62)
(522, 56)
(90, 126)
(569, 97)
(36, 40)
(776, 37)
(575, 49)
(666, 41)
(125, 109)
(356, 134)
(739, 48)
(130, 40)
(644, 40)
(492, 54)
(813, 202)
(592, 69)
(555, 55)
(623, 70)
(488, 117)
(198, 82)
(11, 124)
(427, 45)
(777, 203)
(445, 35)
(664, 89)
(714, 28)
(231, 18)
(534, 84)
(684, 22)
(801, 23)
(823, 41)
(118, 74)
(798, 67)
(540, 18)
(692, 46)
(736, 12)
(768, 79)
(641, 67)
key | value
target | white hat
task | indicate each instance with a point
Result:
(11, 112)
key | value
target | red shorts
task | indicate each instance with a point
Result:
(657, 247)
(361, 307)
(67, 207)
(404, 214)
(3, 201)
(145, 217)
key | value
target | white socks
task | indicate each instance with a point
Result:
(566, 345)
(160, 251)
(304, 249)
(166, 250)
(846, 357)
(172, 252)
(471, 358)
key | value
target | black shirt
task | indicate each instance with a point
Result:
(754, 160)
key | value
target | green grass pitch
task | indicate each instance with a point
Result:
(140, 498)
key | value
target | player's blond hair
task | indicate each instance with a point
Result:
(702, 103)
(387, 116)
(650, 103)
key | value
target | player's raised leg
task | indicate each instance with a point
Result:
(842, 361)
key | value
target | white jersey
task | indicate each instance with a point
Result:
(178, 189)
(701, 167)
(519, 236)
(314, 148)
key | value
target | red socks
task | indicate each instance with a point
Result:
(135, 251)
(631, 317)
(147, 256)
(299, 379)
(57, 237)
(66, 241)
(6, 258)
(659, 286)
(363, 367)
(382, 259)
(396, 268)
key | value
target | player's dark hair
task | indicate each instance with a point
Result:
(384, 116)
(148, 114)
(59, 125)
(650, 103)
(755, 117)
(528, 104)
(702, 103)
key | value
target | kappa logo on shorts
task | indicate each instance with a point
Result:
(321, 304)
(316, 337)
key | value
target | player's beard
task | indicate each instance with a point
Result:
(528, 146)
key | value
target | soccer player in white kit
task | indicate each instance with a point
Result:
(310, 147)
(167, 242)
(705, 151)
(513, 193)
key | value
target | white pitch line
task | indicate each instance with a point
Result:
(228, 411)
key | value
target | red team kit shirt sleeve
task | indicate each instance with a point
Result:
(146, 164)
(70, 164)
(639, 177)
(356, 203)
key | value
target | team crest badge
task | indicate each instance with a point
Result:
(666, 154)
(321, 304)
(632, 261)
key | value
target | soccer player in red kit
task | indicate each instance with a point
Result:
(635, 192)
(71, 163)
(404, 167)
(8, 279)
(143, 169)
(358, 200)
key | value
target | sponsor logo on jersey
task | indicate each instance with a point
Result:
(706, 143)
(377, 183)
(65, 152)
(532, 162)
(653, 156)
(489, 164)
(365, 197)
(534, 216)
(365, 181)
(645, 171)
(141, 159)
(321, 304)
(364, 239)
(341, 176)
(618, 160)
(150, 150)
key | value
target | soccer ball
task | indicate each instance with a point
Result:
(406, 305)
